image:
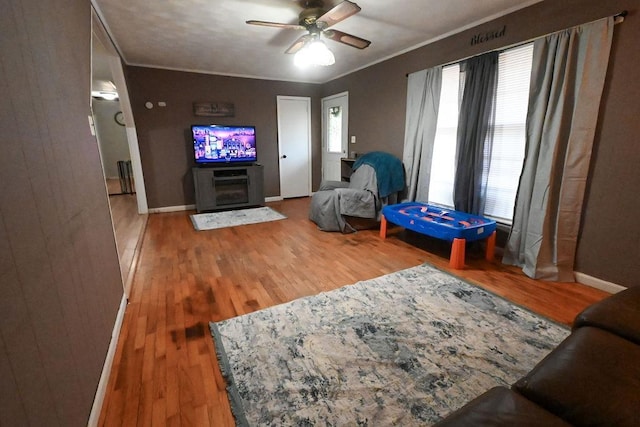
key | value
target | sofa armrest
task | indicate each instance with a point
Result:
(618, 314)
(501, 407)
(591, 378)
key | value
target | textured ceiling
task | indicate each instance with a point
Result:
(212, 37)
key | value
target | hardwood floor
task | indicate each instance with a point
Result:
(165, 370)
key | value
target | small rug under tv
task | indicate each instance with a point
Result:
(403, 349)
(211, 221)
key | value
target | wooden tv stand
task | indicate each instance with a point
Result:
(228, 187)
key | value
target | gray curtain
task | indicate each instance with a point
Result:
(567, 79)
(423, 100)
(475, 132)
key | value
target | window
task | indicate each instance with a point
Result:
(334, 132)
(509, 131)
(509, 127)
(443, 164)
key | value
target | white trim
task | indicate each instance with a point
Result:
(273, 199)
(136, 167)
(594, 282)
(103, 35)
(98, 400)
(167, 209)
(107, 30)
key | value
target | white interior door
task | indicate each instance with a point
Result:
(294, 145)
(335, 131)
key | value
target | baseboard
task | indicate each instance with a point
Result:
(172, 209)
(101, 392)
(594, 282)
(167, 209)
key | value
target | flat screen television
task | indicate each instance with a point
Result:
(223, 144)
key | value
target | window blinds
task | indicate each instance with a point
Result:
(506, 157)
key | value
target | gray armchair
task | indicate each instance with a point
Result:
(348, 206)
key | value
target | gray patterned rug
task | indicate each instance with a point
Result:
(402, 349)
(210, 221)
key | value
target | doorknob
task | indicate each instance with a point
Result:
(284, 156)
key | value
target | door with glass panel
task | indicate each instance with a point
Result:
(335, 119)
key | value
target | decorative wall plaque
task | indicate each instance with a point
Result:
(489, 35)
(215, 109)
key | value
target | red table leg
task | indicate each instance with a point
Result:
(491, 247)
(457, 254)
(383, 227)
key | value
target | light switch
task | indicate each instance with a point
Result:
(353, 139)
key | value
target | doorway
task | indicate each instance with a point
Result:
(118, 148)
(335, 131)
(294, 145)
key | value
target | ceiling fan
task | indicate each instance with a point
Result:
(317, 21)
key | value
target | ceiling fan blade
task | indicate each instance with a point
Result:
(297, 45)
(338, 13)
(348, 39)
(276, 24)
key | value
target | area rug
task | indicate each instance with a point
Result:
(402, 349)
(210, 221)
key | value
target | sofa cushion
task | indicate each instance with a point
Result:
(501, 407)
(619, 313)
(592, 378)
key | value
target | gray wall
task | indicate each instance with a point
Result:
(59, 275)
(164, 132)
(609, 242)
(112, 137)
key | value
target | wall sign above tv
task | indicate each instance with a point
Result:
(213, 109)
(222, 144)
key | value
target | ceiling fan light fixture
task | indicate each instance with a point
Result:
(314, 52)
(106, 95)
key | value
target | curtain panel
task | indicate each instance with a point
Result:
(423, 99)
(567, 80)
(475, 132)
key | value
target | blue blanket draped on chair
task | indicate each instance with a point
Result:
(389, 171)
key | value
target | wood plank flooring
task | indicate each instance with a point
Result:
(165, 370)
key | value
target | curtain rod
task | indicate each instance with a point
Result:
(618, 18)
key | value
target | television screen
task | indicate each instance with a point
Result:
(224, 144)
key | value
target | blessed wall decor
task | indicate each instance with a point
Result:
(216, 109)
(489, 35)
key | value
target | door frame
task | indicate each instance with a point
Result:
(309, 142)
(98, 30)
(345, 142)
